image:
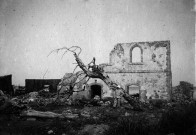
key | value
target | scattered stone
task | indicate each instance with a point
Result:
(85, 114)
(101, 102)
(182, 93)
(69, 102)
(127, 114)
(107, 103)
(128, 107)
(95, 129)
(62, 100)
(71, 116)
(31, 119)
(97, 98)
(50, 132)
(95, 118)
(68, 114)
(1, 93)
(33, 94)
(151, 116)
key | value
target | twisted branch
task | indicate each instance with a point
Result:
(95, 73)
(67, 49)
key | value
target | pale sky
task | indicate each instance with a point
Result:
(30, 29)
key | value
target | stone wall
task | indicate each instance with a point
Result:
(155, 57)
(153, 72)
(154, 83)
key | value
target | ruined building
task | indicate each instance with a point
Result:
(136, 66)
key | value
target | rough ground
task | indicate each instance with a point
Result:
(92, 120)
(177, 117)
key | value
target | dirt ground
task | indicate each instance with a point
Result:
(177, 117)
(93, 120)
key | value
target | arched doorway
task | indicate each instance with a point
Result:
(95, 90)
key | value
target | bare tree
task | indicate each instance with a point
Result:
(92, 71)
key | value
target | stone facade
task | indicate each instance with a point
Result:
(137, 66)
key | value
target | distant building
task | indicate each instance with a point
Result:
(6, 84)
(38, 84)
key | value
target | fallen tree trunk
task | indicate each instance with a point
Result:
(33, 113)
(97, 73)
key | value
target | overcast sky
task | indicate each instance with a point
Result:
(30, 29)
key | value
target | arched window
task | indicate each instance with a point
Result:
(136, 55)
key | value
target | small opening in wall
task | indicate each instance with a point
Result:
(95, 90)
(133, 89)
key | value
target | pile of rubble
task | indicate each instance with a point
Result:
(8, 106)
(23, 104)
(182, 93)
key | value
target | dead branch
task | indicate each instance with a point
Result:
(67, 49)
(79, 81)
(87, 80)
(97, 72)
(45, 73)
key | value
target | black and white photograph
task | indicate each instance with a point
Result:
(97, 67)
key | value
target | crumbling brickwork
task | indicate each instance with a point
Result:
(152, 70)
